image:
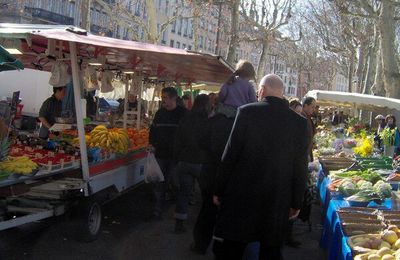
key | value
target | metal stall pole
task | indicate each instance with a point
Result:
(78, 110)
(139, 103)
(126, 102)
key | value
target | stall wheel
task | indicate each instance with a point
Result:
(89, 221)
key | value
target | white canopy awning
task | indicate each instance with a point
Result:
(351, 100)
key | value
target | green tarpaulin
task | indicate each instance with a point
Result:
(8, 62)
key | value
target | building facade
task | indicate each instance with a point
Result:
(212, 33)
(340, 83)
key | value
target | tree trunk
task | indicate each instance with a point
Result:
(217, 48)
(350, 72)
(234, 39)
(371, 63)
(299, 84)
(152, 36)
(379, 87)
(391, 76)
(263, 60)
(195, 24)
(85, 15)
(308, 85)
(360, 66)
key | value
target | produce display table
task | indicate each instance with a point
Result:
(98, 168)
(39, 175)
(333, 238)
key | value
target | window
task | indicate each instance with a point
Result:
(190, 29)
(201, 42)
(173, 29)
(185, 27)
(171, 43)
(190, 47)
(137, 8)
(164, 37)
(166, 7)
(179, 25)
(183, 46)
(178, 45)
(159, 4)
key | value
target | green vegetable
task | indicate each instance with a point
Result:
(347, 188)
(387, 136)
(383, 189)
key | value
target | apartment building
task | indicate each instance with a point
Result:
(340, 82)
(288, 74)
(212, 32)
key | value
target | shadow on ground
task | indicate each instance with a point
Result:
(127, 234)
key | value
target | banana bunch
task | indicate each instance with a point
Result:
(21, 164)
(75, 141)
(100, 137)
(119, 140)
(113, 140)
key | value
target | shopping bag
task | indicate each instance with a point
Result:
(59, 74)
(106, 82)
(152, 172)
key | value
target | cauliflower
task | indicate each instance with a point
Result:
(383, 189)
(364, 185)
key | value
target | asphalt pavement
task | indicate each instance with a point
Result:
(128, 234)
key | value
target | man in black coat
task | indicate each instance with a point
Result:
(262, 177)
(162, 139)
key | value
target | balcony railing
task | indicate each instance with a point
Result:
(49, 16)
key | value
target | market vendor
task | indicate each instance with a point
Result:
(50, 109)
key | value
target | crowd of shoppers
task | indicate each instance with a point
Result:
(249, 158)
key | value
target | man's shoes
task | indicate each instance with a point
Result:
(197, 250)
(169, 196)
(179, 227)
(293, 243)
(155, 218)
(192, 201)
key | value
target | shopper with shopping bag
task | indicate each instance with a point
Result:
(152, 171)
(162, 138)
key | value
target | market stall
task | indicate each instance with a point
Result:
(89, 162)
(358, 190)
(354, 100)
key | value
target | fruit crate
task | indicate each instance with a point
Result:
(356, 250)
(49, 167)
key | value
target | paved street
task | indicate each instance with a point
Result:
(127, 235)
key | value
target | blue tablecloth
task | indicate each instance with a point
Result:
(333, 238)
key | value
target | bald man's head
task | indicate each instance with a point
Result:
(271, 85)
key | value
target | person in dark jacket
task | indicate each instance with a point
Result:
(263, 175)
(162, 139)
(309, 104)
(219, 128)
(189, 155)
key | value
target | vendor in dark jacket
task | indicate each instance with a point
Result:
(189, 155)
(162, 139)
(50, 109)
(264, 169)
